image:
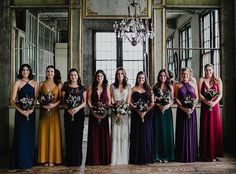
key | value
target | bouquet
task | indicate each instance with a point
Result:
(120, 108)
(100, 109)
(72, 102)
(46, 99)
(209, 95)
(141, 106)
(163, 100)
(188, 102)
(26, 103)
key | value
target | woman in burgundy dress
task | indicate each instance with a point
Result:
(210, 93)
(99, 143)
(186, 148)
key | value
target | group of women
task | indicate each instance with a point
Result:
(147, 138)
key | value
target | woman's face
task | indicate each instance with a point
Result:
(50, 73)
(73, 76)
(208, 71)
(100, 77)
(162, 77)
(120, 75)
(141, 79)
(25, 72)
(185, 76)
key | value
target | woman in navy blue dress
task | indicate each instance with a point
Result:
(141, 133)
(23, 97)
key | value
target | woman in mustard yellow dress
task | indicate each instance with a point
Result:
(49, 141)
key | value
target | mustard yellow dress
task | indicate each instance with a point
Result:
(49, 141)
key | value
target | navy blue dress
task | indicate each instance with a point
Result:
(141, 134)
(24, 134)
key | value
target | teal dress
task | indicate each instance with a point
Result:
(163, 131)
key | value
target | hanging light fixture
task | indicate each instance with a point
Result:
(133, 27)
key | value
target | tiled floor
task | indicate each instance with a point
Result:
(226, 166)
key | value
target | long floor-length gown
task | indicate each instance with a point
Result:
(141, 134)
(186, 147)
(49, 140)
(211, 140)
(24, 133)
(99, 143)
(74, 129)
(163, 131)
(120, 132)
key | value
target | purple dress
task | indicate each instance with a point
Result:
(141, 134)
(186, 148)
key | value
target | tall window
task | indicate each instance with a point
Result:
(185, 44)
(210, 40)
(170, 53)
(111, 53)
(105, 52)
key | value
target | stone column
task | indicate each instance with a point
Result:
(5, 37)
(228, 42)
(75, 59)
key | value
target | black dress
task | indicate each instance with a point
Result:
(74, 128)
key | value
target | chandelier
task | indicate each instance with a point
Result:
(133, 27)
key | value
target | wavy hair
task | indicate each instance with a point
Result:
(213, 78)
(146, 85)
(57, 75)
(31, 76)
(167, 82)
(79, 78)
(125, 80)
(104, 82)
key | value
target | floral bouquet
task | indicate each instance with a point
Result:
(46, 99)
(163, 100)
(26, 103)
(72, 102)
(120, 108)
(100, 109)
(188, 102)
(209, 95)
(141, 106)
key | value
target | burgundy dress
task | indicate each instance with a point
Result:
(211, 140)
(186, 148)
(99, 143)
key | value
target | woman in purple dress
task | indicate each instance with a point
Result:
(99, 143)
(141, 133)
(186, 148)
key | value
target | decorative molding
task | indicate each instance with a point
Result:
(93, 9)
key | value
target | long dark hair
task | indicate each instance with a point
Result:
(125, 80)
(79, 78)
(31, 76)
(146, 85)
(57, 75)
(104, 82)
(167, 82)
(213, 78)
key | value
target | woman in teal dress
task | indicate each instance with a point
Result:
(24, 93)
(162, 119)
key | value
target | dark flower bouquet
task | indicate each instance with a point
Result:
(209, 95)
(100, 109)
(72, 102)
(163, 100)
(25, 103)
(141, 106)
(46, 99)
(188, 102)
(120, 108)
